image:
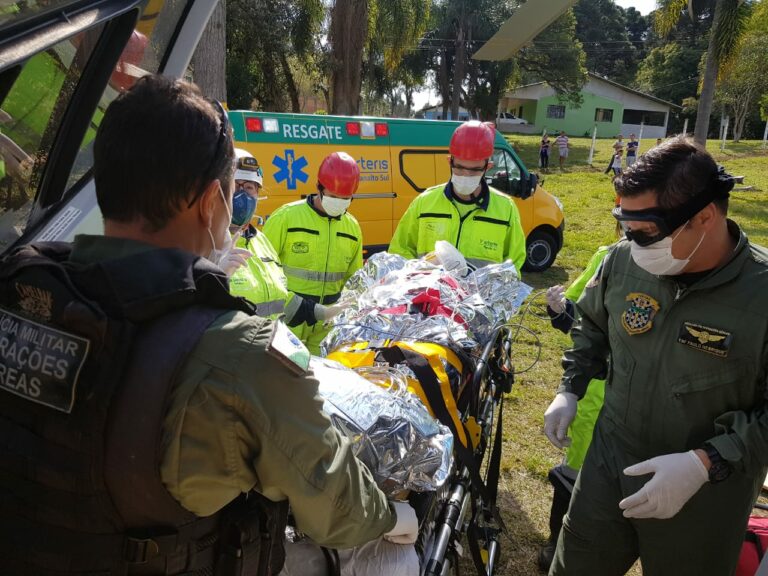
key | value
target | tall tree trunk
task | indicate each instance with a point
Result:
(458, 67)
(409, 101)
(293, 92)
(349, 29)
(709, 83)
(209, 69)
(442, 74)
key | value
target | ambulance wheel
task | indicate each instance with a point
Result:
(541, 251)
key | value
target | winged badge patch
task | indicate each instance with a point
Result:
(706, 339)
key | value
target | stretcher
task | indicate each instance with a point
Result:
(461, 518)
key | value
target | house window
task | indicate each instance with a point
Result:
(603, 115)
(555, 111)
(647, 117)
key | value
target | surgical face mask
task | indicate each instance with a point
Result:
(217, 255)
(334, 206)
(657, 258)
(465, 185)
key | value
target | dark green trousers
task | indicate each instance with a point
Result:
(703, 539)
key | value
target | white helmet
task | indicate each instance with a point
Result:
(247, 167)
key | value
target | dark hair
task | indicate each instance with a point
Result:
(675, 170)
(158, 146)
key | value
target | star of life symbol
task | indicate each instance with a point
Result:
(290, 169)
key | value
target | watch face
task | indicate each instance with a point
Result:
(719, 471)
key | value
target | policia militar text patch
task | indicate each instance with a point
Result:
(710, 340)
(40, 363)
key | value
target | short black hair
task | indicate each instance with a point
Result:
(157, 147)
(675, 170)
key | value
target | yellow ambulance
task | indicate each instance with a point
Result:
(398, 159)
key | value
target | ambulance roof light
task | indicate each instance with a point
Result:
(382, 129)
(253, 124)
(353, 128)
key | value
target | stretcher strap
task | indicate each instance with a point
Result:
(431, 387)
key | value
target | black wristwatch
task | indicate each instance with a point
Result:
(720, 468)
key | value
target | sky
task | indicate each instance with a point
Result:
(643, 6)
(427, 96)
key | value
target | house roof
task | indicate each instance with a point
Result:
(621, 86)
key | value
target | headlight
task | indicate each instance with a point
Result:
(558, 202)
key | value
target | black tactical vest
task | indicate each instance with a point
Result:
(88, 356)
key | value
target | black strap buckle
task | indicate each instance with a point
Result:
(140, 550)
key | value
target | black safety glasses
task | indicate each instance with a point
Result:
(472, 170)
(660, 223)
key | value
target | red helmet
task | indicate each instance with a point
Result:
(128, 68)
(339, 174)
(473, 140)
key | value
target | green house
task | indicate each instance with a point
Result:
(613, 108)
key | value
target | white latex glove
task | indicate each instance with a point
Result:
(324, 313)
(235, 258)
(558, 417)
(676, 477)
(556, 298)
(406, 528)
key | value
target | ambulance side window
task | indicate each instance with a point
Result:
(505, 173)
(31, 112)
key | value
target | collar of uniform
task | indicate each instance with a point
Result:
(730, 269)
(482, 200)
(89, 249)
(311, 202)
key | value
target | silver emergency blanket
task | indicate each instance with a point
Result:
(394, 298)
(391, 431)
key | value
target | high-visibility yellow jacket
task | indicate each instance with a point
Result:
(485, 232)
(261, 280)
(318, 253)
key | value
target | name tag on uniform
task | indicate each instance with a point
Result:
(711, 340)
(39, 363)
(286, 347)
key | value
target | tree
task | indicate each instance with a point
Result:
(207, 70)
(262, 61)
(603, 29)
(390, 26)
(745, 78)
(728, 22)
(670, 72)
(554, 56)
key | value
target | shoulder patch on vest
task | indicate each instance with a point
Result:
(638, 317)
(39, 363)
(286, 347)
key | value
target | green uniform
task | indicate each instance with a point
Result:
(239, 419)
(688, 366)
(319, 253)
(485, 232)
(261, 280)
(589, 406)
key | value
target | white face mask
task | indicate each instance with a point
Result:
(657, 258)
(334, 206)
(465, 185)
(217, 255)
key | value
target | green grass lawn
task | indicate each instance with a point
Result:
(587, 195)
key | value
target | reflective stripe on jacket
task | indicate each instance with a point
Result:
(319, 253)
(489, 233)
(261, 280)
